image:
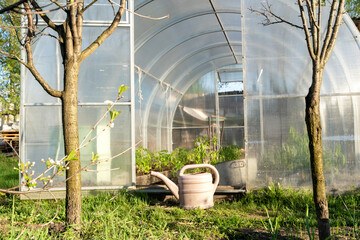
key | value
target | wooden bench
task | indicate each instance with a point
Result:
(9, 137)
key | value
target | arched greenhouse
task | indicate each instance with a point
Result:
(210, 69)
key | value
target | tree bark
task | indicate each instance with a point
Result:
(71, 142)
(70, 40)
(313, 124)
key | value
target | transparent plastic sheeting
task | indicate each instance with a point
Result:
(177, 54)
(47, 142)
(95, 84)
(100, 76)
(278, 75)
(196, 115)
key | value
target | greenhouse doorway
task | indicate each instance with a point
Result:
(213, 106)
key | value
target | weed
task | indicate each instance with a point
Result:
(274, 224)
(352, 215)
(311, 234)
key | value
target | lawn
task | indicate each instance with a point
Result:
(126, 215)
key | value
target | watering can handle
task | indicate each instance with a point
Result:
(213, 169)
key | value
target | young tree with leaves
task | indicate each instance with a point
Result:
(69, 37)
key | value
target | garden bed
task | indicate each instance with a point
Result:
(171, 163)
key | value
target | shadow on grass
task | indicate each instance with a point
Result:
(256, 233)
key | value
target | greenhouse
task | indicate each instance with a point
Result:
(211, 68)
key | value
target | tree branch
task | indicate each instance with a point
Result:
(79, 24)
(30, 23)
(318, 33)
(74, 29)
(306, 30)
(88, 6)
(39, 10)
(12, 6)
(336, 26)
(329, 30)
(105, 34)
(312, 14)
(269, 15)
(59, 5)
(30, 65)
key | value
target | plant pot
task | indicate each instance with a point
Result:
(232, 173)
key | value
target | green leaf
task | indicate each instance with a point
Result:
(122, 89)
(48, 164)
(114, 114)
(71, 156)
(94, 156)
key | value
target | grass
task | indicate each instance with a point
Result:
(136, 216)
(9, 177)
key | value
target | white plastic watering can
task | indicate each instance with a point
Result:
(196, 190)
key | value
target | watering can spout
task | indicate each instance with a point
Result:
(170, 184)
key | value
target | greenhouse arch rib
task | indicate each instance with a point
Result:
(172, 23)
(182, 41)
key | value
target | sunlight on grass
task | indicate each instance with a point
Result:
(9, 177)
(126, 215)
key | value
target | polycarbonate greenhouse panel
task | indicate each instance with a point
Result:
(232, 108)
(278, 75)
(199, 70)
(175, 51)
(171, 37)
(285, 61)
(114, 168)
(46, 137)
(195, 61)
(227, 4)
(112, 67)
(100, 76)
(174, 9)
(191, 118)
(234, 136)
(47, 59)
(185, 40)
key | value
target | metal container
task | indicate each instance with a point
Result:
(232, 173)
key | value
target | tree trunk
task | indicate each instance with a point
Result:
(313, 124)
(71, 142)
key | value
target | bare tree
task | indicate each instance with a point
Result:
(320, 49)
(69, 36)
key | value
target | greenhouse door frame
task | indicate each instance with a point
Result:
(218, 80)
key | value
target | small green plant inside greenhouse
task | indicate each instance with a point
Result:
(168, 119)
